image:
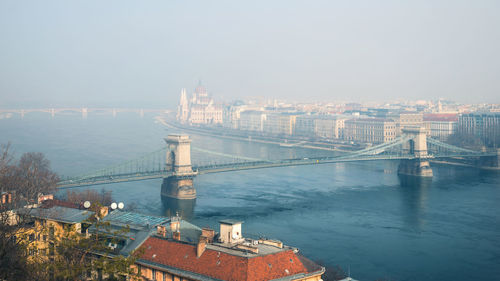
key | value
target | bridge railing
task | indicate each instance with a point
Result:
(153, 164)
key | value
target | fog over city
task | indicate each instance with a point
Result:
(131, 53)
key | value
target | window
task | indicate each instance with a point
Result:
(51, 232)
(51, 249)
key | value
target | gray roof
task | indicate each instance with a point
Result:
(58, 213)
(134, 220)
(190, 233)
(141, 226)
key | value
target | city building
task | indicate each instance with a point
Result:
(178, 252)
(50, 223)
(304, 126)
(252, 120)
(280, 124)
(484, 126)
(440, 125)
(319, 126)
(199, 108)
(329, 128)
(407, 119)
(370, 130)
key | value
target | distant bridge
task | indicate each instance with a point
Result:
(84, 111)
(413, 149)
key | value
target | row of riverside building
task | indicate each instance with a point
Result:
(369, 126)
(166, 248)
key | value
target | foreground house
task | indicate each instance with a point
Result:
(201, 254)
(174, 249)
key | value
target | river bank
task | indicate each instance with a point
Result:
(458, 164)
(258, 139)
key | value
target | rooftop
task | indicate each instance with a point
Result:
(134, 220)
(217, 263)
(141, 226)
(441, 117)
(60, 214)
(370, 120)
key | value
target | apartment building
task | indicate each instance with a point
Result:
(252, 120)
(485, 126)
(370, 130)
(280, 124)
(407, 119)
(440, 125)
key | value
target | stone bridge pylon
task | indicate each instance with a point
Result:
(179, 184)
(417, 147)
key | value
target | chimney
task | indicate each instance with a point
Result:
(174, 226)
(177, 235)
(103, 211)
(208, 234)
(202, 244)
(230, 232)
(42, 197)
(161, 230)
(175, 223)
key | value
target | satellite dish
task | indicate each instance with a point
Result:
(86, 204)
(235, 236)
(113, 205)
(121, 205)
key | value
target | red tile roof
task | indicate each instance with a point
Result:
(451, 117)
(221, 265)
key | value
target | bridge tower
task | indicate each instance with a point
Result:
(415, 146)
(179, 184)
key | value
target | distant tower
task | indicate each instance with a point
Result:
(200, 90)
(183, 108)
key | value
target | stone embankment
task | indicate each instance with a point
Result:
(227, 134)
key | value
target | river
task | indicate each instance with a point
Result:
(360, 216)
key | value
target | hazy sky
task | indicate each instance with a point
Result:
(118, 53)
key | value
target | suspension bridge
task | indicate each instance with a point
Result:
(173, 162)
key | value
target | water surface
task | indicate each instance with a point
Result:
(358, 215)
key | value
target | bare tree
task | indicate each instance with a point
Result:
(33, 176)
(6, 167)
(74, 254)
(103, 197)
(13, 255)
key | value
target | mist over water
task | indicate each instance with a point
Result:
(360, 215)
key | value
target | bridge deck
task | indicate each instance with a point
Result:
(207, 169)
